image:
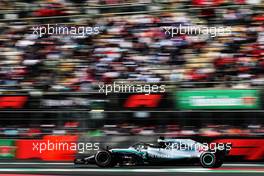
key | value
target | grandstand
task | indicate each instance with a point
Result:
(42, 74)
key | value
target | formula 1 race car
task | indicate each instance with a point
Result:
(165, 151)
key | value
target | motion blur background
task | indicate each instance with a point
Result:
(49, 84)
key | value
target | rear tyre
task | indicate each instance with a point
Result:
(105, 159)
(208, 160)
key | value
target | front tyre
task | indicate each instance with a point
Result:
(105, 159)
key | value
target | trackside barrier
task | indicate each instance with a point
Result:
(7, 148)
(47, 149)
(64, 153)
(242, 149)
(246, 149)
(25, 149)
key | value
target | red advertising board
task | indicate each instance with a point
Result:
(248, 149)
(50, 148)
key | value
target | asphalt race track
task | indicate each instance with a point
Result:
(51, 168)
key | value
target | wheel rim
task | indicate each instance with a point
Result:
(208, 160)
(103, 157)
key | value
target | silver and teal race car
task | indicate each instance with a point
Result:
(165, 151)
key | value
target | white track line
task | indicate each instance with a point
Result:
(186, 170)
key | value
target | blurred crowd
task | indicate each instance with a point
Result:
(172, 130)
(57, 4)
(136, 48)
